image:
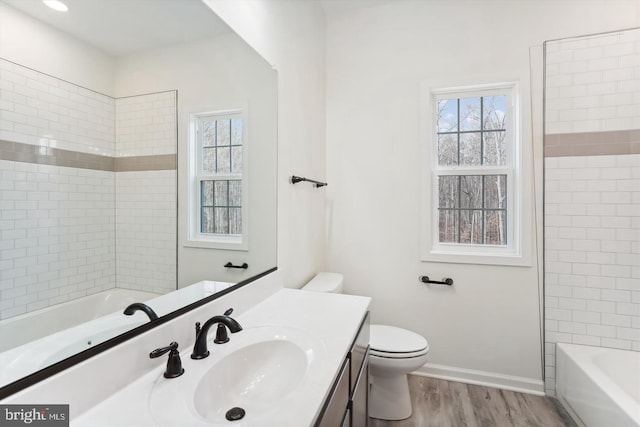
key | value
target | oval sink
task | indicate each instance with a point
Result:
(253, 378)
(260, 370)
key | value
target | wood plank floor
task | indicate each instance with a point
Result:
(439, 403)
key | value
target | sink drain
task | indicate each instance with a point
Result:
(235, 414)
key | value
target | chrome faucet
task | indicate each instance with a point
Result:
(142, 307)
(200, 350)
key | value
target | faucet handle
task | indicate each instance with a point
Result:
(221, 333)
(174, 363)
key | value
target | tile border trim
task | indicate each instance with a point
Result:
(145, 163)
(615, 142)
(43, 155)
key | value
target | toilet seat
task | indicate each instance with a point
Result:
(397, 355)
(396, 343)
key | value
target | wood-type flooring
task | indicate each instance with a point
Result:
(440, 403)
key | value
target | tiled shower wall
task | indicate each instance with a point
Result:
(592, 194)
(146, 132)
(58, 197)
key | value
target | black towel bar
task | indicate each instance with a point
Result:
(229, 265)
(446, 281)
(297, 179)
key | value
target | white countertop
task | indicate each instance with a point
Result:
(333, 319)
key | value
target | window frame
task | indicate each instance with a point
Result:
(432, 249)
(195, 237)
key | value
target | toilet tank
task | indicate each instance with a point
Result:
(325, 282)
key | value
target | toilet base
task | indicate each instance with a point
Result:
(389, 398)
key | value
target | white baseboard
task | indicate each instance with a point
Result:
(483, 378)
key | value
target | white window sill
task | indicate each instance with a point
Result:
(231, 244)
(462, 257)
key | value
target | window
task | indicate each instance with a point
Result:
(217, 195)
(474, 147)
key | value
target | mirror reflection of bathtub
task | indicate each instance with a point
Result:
(123, 229)
(41, 338)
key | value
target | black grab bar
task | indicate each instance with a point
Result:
(446, 281)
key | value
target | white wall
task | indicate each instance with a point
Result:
(216, 74)
(53, 52)
(377, 57)
(291, 35)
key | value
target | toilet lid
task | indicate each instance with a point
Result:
(389, 339)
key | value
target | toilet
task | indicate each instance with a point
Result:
(394, 352)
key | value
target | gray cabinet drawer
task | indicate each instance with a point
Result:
(359, 350)
(338, 402)
(360, 398)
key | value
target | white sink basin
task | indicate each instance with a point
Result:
(254, 378)
(260, 370)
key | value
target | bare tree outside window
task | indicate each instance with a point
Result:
(471, 133)
(221, 175)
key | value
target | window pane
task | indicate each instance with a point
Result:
(236, 159)
(470, 226)
(495, 150)
(209, 159)
(206, 193)
(470, 149)
(236, 131)
(208, 132)
(206, 225)
(235, 221)
(221, 220)
(469, 114)
(495, 228)
(448, 149)
(224, 132)
(495, 191)
(224, 159)
(448, 191)
(221, 193)
(447, 115)
(471, 191)
(235, 193)
(494, 111)
(448, 226)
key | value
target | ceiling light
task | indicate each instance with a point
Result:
(56, 5)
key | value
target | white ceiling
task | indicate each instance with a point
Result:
(119, 27)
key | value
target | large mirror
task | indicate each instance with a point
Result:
(138, 152)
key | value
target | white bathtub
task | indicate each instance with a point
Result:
(31, 326)
(599, 386)
(38, 339)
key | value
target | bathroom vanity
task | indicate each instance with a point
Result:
(347, 404)
(300, 360)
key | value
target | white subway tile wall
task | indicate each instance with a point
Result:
(58, 235)
(592, 202)
(593, 83)
(146, 125)
(38, 109)
(61, 238)
(146, 230)
(592, 253)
